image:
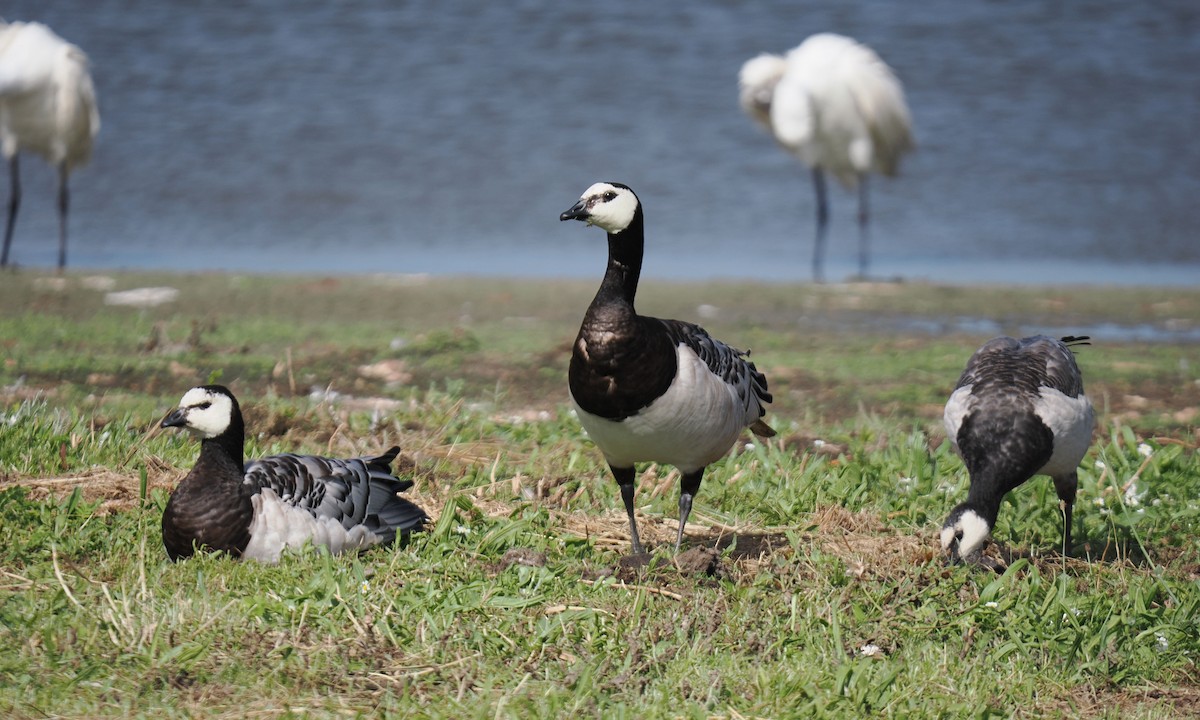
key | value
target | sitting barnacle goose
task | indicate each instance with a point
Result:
(1018, 411)
(257, 509)
(647, 389)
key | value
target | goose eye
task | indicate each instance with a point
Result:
(610, 195)
(204, 406)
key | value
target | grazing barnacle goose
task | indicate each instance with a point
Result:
(255, 510)
(647, 389)
(1018, 411)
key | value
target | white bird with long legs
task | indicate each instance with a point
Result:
(47, 107)
(835, 105)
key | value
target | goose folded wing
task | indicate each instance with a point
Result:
(727, 363)
(327, 487)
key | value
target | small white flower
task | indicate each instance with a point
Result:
(818, 443)
(364, 586)
(871, 650)
(462, 530)
(1161, 640)
(748, 446)
(1100, 465)
(991, 604)
(1099, 501)
(1132, 497)
(1145, 450)
(907, 483)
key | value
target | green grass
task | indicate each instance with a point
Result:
(518, 602)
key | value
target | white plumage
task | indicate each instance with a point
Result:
(691, 426)
(279, 525)
(47, 107)
(835, 105)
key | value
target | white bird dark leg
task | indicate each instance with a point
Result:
(626, 478)
(14, 202)
(864, 239)
(63, 202)
(822, 224)
(1066, 486)
(688, 487)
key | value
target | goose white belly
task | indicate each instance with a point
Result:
(1071, 420)
(690, 426)
(278, 524)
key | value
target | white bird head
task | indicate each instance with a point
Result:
(964, 535)
(207, 411)
(610, 206)
(756, 86)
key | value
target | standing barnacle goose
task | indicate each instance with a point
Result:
(257, 509)
(647, 389)
(1018, 411)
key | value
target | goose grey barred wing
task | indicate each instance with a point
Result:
(1062, 372)
(351, 491)
(1025, 365)
(988, 360)
(727, 363)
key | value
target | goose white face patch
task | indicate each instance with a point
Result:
(610, 208)
(974, 531)
(208, 413)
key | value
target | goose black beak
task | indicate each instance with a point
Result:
(177, 418)
(952, 557)
(578, 211)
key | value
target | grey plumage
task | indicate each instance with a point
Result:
(727, 363)
(357, 491)
(1018, 410)
(257, 509)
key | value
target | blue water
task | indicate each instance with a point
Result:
(1056, 140)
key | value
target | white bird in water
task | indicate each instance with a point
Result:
(47, 106)
(835, 105)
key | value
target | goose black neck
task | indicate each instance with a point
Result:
(229, 443)
(624, 263)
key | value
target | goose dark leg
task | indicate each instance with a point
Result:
(1066, 486)
(822, 225)
(864, 238)
(14, 203)
(625, 478)
(688, 487)
(63, 202)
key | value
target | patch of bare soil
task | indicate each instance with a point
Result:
(1091, 701)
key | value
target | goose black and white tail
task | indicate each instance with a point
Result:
(648, 389)
(1018, 410)
(256, 509)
